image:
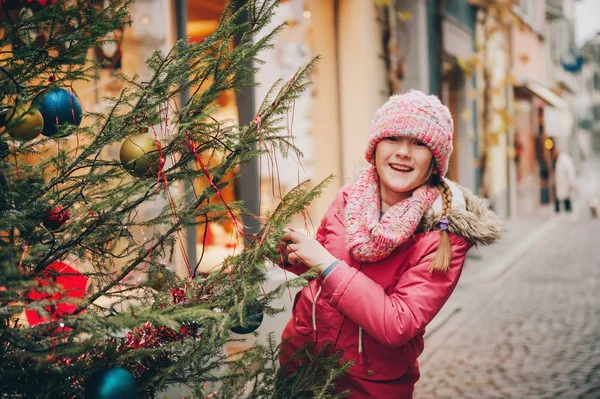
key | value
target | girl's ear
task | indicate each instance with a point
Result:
(435, 170)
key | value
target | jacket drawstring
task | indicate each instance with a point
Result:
(361, 358)
(314, 310)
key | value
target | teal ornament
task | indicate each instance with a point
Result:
(253, 317)
(58, 106)
(115, 382)
(4, 150)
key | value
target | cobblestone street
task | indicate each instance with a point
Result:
(531, 332)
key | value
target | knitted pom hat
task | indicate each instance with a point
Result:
(419, 116)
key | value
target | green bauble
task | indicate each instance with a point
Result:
(139, 155)
(253, 317)
(25, 123)
(158, 281)
(115, 382)
(160, 277)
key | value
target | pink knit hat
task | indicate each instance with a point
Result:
(416, 115)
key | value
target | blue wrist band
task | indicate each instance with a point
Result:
(330, 268)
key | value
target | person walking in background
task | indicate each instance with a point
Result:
(565, 180)
(389, 250)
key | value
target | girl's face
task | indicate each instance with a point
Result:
(403, 164)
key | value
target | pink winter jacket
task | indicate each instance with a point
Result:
(376, 313)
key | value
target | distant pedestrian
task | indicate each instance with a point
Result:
(390, 251)
(565, 181)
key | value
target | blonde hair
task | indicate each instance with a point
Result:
(443, 255)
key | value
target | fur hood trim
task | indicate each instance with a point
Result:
(470, 218)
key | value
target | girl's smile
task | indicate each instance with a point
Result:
(401, 167)
(403, 164)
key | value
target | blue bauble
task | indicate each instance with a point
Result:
(253, 317)
(111, 383)
(58, 106)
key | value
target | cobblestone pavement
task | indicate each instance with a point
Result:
(531, 332)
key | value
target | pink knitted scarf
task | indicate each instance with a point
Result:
(369, 239)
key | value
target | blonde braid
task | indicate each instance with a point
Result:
(441, 260)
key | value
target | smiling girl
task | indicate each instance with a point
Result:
(390, 251)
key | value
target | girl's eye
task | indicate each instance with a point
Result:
(391, 138)
(418, 142)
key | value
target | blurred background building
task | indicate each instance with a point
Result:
(589, 94)
(515, 78)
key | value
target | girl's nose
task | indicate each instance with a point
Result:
(403, 148)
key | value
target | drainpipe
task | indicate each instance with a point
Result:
(190, 233)
(439, 14)
(510, 134)
(248, 188)
(338, 65)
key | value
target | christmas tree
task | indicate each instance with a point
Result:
(72, 227)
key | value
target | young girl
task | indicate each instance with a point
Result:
(390, 251)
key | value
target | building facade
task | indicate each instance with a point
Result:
(588, 99)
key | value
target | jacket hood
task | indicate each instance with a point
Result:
(470, 218)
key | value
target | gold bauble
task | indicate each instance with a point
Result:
(6, 112)
(7, 108)
(139, 155)
(25, 124)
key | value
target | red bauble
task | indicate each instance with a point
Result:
(10, 9)
(18, 4)
(55, 217)
(70, 283)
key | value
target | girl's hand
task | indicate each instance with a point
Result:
(307, 250)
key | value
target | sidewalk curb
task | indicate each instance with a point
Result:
(441, 328)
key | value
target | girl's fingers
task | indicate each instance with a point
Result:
(293, 258)
(292, 248)
(295, 245)
(293, 236)
(287, 237)
(292, 253)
